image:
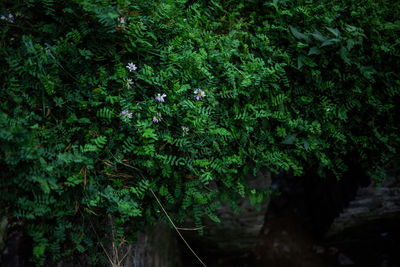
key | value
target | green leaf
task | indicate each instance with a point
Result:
(252, 199)
(289, 140)
(334, 31)
(300, 62)
(84, 120)
(307, 99)
(318, 36)
(330, 42)
(39, 250)
(297, 34)
(149, 133)
(314, 51)
(214, 218)
(163, 190)
(343, 54)
(260, 198)
(306, 144)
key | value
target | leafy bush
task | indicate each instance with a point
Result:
(103, 101)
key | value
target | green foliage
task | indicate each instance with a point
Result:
(288, 85)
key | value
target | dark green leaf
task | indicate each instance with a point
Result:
(314, 51)
(334, 31)
(297, 34)
(290, 139)
(330, 42)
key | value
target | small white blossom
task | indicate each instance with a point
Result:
(185, 130)
(121, 21)
(157, 119)
(131, 67)
(160, 98)
(128, 83)
(126, 113)
(9, 18)
(199, 94)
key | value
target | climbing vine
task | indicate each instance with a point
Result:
(103, 102)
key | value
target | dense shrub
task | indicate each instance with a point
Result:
(103, 101)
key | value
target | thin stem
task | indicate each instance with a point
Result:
(179, 233)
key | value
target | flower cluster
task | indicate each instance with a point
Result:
(160, 98)
(199, 94)
(125, 113)
(128, 82)
(9, 18)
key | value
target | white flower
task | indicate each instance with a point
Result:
(199, 94)
(160, 98)
(185, 130)
(128, 83)
(131, 67)
(9, 18)
(157, 119)
(121, 20)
